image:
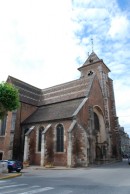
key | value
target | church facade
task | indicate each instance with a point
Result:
(71, 124)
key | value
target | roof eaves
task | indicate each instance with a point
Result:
(38, 122)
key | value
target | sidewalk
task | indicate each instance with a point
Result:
(33, 167)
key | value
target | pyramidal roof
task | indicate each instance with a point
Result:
(92, 59)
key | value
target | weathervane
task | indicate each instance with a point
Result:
(92, 43)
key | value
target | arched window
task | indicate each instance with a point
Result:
(96, 122)
(41, 129)
(2, 126)
(13, 121)
(60, 138)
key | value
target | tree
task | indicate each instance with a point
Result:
(9, 98)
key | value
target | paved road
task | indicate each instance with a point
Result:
(108, 179)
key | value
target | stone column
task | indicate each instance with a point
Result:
(26, 148)
(43, 150)
(69, 153)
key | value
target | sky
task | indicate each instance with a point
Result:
(44, 42)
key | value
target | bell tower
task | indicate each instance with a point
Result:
(94, 65)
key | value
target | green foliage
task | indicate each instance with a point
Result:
(9, 98)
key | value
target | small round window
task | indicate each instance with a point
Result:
(90, 73)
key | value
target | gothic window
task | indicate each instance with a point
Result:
(60, 138)
(2, 126)
(13, 121)
(41, 129)
(96, 122)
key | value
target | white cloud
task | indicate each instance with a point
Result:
(36, 35)
(90, 14)
(109, 27)
(119, 27)
(95, 3)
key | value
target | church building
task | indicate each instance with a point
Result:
(71, 124)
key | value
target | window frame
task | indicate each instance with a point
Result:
(59, 138)
(96, 122)
(3, 126)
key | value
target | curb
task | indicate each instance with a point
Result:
(53, 168)
(10, 176)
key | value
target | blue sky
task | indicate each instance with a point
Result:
(44, 42)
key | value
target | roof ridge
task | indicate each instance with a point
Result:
(20, 81)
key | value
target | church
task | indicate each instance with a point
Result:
(71, 124)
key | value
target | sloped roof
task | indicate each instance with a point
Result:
(57, 102)
(92, 59)
(60, 110)
(63, 92)
(28, 93)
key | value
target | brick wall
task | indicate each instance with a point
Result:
(5, 140)
(51, 156)
(23, 112)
